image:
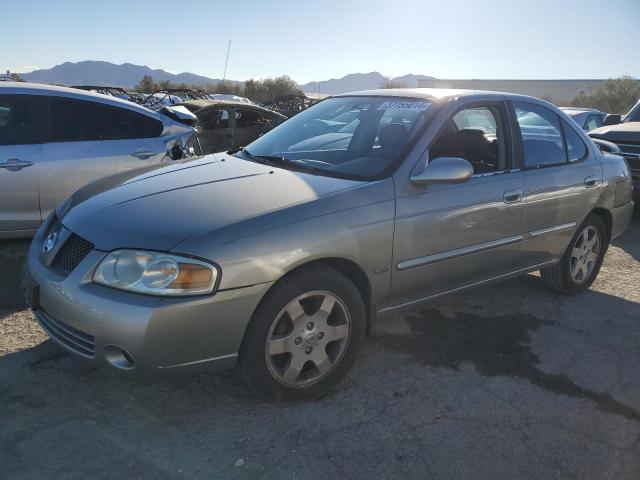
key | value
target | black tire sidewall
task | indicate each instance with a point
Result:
(252, 362)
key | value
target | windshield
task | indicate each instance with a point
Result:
(353, 137)
(634, 114)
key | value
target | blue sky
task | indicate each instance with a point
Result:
(317, 40)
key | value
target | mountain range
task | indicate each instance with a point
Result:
(91, 72)
(359, 81)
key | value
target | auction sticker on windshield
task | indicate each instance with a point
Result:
(418, 106)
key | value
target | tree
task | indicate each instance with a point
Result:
(146, 85)
(226, 87)
(616, 95)
(393, 84)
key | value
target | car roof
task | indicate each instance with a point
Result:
(440, 94)
(25, 88)
(581, 110)
(227, 103)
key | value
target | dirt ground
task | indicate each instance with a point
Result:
(505, 381)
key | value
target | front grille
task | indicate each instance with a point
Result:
(69, 337)
(71, 254)
(631, 153)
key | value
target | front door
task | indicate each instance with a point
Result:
(451, 236)
(22, 127)
(216, 133)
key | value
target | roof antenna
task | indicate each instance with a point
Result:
(224, 75)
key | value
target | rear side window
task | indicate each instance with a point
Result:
(576, 149)
(22, 119)
(77, 120)
(541, 135)
(143, 126)
(593, 121)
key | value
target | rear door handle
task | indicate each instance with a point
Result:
(143, 154)
(15, 164)
(512, 196)
(591, 181)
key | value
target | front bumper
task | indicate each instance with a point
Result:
(156, 333)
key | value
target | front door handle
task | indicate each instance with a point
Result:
(512, 196)
(591, 181)
(15, 164)
(143, 153)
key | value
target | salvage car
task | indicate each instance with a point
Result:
(227, 124)
(624, 132)
(586, 118)
(277, 261)
(53, 140)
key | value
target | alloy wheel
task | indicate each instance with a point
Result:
(584, 254)
(308, 338)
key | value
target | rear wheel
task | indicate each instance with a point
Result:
(581, 262)
(305, 335)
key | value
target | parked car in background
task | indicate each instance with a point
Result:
(624, 132)
(277, 260)
(587, 118)
(106, 90)
(228, 124)
(53, 140)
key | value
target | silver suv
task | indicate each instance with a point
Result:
(277, 257)
(53, 140)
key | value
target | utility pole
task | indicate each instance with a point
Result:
(224, 75)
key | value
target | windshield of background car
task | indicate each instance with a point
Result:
(633, 115)
(352, 137)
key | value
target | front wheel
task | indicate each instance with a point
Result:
(581, 262)
(305, 335)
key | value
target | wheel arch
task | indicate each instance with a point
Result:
(350, 269)
(606, 217)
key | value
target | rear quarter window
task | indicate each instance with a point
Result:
(143, 126)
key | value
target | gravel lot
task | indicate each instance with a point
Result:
(505, 381)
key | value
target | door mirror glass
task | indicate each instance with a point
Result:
(444, 170)
(612, 119)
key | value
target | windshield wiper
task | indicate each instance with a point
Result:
(280, 161)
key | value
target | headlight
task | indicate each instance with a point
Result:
(155, 273)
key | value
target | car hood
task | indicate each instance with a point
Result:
(623, 132)
(158, 208)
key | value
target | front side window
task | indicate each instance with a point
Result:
(352, 137)
(475, 134)
(78, 120)
(248, 118)
(213, 119)
(22, 119)
(541, 135)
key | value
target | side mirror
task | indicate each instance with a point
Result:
(444, 170)
(612, 119)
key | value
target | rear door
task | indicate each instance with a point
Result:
(90, 140)
(22, 129)
(562, 180)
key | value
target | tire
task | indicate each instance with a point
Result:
(561, 277)
(312, 310)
